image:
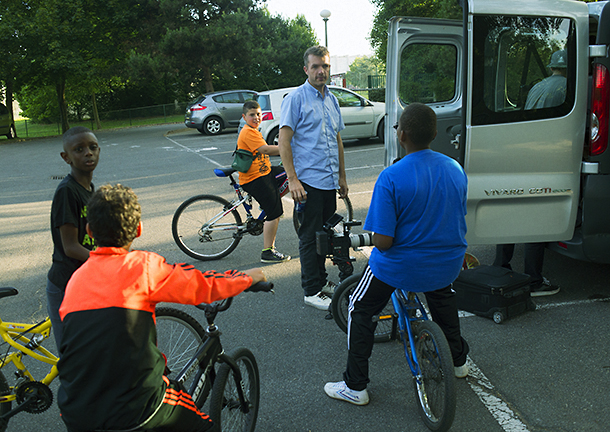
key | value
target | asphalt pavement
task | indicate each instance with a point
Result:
(547, 370)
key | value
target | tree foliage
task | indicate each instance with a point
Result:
(360, 70)
(129, 53)
(387, 9)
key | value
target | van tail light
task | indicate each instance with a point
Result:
(600, 110)
(267, 115)
(198, 107)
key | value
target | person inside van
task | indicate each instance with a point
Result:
(551, 91)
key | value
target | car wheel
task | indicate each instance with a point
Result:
(381, 131)
(212, 126)
(273, 138)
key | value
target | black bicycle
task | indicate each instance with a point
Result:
(196, 359)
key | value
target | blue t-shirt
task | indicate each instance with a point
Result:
(315, 120)
(420, 201)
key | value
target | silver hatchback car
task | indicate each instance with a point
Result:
(213, 112)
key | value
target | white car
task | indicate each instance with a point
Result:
(363, 119)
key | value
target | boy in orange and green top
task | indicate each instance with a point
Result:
(260, 180)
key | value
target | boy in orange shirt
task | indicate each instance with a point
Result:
(260, 180)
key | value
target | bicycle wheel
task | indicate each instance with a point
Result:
(225, 409)
(347, 213)
(340, 310)
(435, 386)
(179, 335)
(204, 229)
(6, 406)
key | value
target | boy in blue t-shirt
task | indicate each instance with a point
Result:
(417, 216)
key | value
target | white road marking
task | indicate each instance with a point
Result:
(194, 151)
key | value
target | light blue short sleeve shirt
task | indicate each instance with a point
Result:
(315, 121)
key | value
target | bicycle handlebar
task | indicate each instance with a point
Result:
(261, 286)
(225, 304)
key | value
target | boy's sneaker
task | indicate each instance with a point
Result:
(319, 301)
(544, 288)
(273, 256)
(461, 371)
(339, 390)
(329, 288)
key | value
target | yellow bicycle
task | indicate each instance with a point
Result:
(24, 339)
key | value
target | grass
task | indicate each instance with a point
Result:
(28, 129)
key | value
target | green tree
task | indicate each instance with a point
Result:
(387, 9)
(13, 18)
(360, 69)
(76, 43)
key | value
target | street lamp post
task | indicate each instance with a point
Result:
(325, 14)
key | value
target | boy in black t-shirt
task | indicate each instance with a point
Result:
(71, 244)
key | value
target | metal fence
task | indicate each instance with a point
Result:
(156, 114)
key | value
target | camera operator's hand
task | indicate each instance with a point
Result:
(297, 191)
(343, 189)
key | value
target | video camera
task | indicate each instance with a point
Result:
(334, 245)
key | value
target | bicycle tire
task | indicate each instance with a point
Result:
(435, 386)
(225, 409)
(6, 406)
(179, 335)
(190, 232)
(348, 215)
(340, 305)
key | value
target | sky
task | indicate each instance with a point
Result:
(349, 24)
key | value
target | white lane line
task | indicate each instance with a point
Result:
(484, 389)
(493, 401)
(194, 152)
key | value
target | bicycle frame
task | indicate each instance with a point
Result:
(242, 199)
(210, 352)
(14, 335)
(409, 308)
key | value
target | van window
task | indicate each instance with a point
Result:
(428, 73)
(523, 67)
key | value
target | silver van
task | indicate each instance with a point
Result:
(538, 171)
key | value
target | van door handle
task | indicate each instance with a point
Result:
(456, 142)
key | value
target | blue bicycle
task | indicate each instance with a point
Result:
(209, 227)
(426, 349)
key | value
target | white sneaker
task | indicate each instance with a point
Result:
(329, 288)
(461, 371)
(338, 390)
(319, 301)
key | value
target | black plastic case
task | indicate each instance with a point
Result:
(493, 292)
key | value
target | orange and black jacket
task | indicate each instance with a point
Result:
(110, 369)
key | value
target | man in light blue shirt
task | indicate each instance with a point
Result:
(312, 154)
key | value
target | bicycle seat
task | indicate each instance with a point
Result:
(224, 172)
(8, 291)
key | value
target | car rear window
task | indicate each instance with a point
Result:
(263, 101)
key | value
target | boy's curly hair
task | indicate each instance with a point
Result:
(113, 214)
